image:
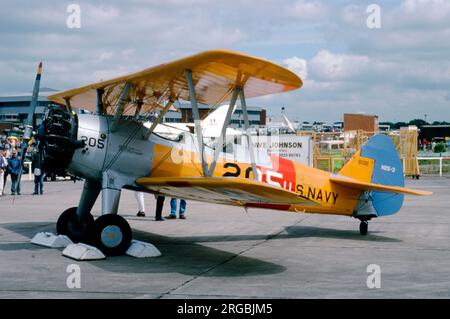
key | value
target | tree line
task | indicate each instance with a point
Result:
(417, 122)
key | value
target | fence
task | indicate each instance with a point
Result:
(329, 155)
(333, 149)
(428, 167)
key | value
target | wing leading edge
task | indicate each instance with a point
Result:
(215, 73)
(225, 190)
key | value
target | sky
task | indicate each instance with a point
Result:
(395, 64)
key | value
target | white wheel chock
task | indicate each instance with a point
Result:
(83, 252)
(140, 249)
(50, 240)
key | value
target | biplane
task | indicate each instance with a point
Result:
(111, 149)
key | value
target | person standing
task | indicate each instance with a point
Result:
(141, 204)
(173, 209)
(6, 155)
(38, 170)
(14, 170)
(159, 207)
(425, 144)
(3, 167)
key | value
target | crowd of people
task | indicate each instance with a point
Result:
(11, 161)
(426, 145)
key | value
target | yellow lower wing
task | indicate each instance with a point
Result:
(225, 190)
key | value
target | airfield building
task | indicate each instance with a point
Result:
(366, 123)
(14, 108)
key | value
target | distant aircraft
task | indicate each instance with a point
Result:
(112, 152)
(211, 125)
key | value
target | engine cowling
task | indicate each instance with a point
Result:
(57, 138)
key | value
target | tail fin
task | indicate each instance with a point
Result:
(212, 124)
(378, 163)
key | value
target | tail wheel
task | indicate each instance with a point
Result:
(76, 228)
(112, 234)
(363, 227)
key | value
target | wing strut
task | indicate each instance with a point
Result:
(248, 134)
(238, 91)
(120, 106)
(68, 105)
(197, 120)
(138, 109)
(100, 106)
(158, 120)
(222, 138)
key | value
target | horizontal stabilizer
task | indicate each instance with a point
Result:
(352, 183)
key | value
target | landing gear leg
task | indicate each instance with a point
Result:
(363, 227)
(77, 222)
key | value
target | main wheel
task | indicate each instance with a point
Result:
(363, 227)
(112, 234)
(70, 224)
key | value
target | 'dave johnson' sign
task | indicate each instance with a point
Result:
(297, 148)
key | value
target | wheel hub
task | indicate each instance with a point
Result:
(111, 236)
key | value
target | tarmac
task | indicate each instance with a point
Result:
(226, 252)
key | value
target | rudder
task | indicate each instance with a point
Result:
(378, 162)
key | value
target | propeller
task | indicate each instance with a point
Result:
(29, 124)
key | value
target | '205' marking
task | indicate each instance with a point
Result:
(93, 142)
(270, 177)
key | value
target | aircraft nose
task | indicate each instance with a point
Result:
(58, 138)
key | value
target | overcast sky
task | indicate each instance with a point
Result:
(400, 71)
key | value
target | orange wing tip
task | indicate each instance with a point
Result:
(419, 192)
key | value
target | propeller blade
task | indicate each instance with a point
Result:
(33, 103)
(29, 124)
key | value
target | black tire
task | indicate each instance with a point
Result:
(77, 230)
(112, 234)
(363, 227)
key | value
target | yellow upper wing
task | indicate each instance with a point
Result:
(225, 190)
(215, 73)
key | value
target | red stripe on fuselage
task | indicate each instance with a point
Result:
(282, 173)
(269, 206)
